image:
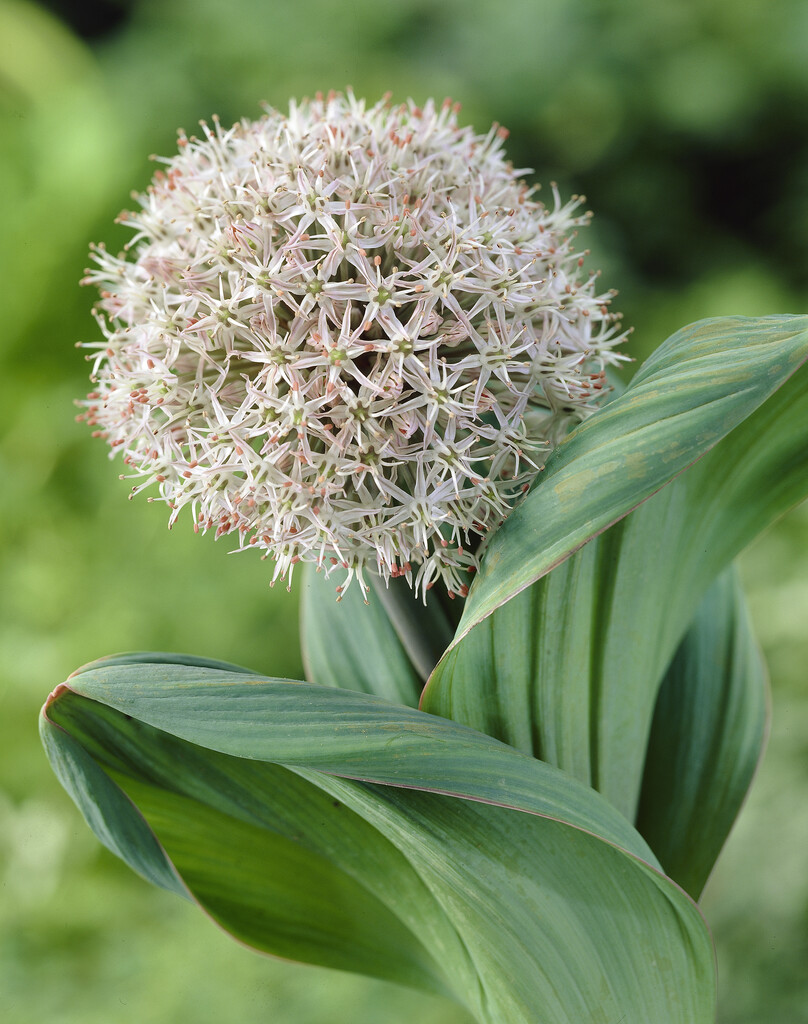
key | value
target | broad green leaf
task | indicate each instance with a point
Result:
(706, 738)
(353, 645)
(528, 674)
(569, 669)
(106, 809)
(351, 734)
(278, 863)
(425, 628)
(692, 391)
(484, 872)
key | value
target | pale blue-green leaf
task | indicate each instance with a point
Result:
(570, 668)
(279, 864)
(692, 391)
(706, 738)
(108, 812)
(353, 645)
(347, 733)
(551, 914)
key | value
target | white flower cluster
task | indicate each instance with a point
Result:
(349, 335)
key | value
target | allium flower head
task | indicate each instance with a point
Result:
(348, 335)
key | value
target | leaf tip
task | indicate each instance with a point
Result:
(52, 697)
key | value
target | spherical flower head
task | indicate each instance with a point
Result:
(348, 335)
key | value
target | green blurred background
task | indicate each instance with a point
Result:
(686, 125)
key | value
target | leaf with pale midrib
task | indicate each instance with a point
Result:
(706, 738)
(569, 668)
(546, 908)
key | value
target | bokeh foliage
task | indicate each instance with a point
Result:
(686, 124)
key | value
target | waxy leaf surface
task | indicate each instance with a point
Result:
(335, 827)
(706, 738)
(569, 668)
